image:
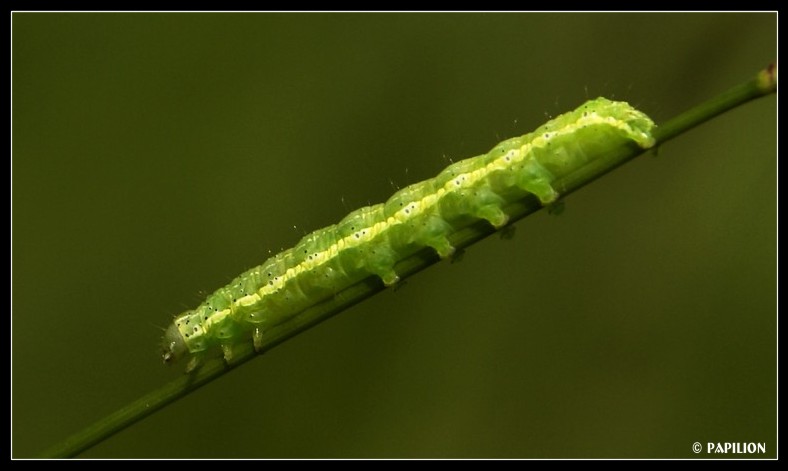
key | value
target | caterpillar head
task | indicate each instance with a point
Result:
(172, 345)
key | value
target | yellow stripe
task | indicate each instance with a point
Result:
(421, 206)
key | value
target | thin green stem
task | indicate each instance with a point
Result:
(763, 84)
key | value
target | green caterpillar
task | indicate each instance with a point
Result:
(371, 240)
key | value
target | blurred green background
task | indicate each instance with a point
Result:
(156, 156)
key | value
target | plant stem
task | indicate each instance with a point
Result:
(763, 84)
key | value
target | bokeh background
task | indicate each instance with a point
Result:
(156, 156)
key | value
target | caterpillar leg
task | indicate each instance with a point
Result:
(378, 259)
(494, 215)
(432, 233)
(194, 362)
(227, 351)
(486, 204)
(257, 339)
(389, 278)
(441, 245)
(537, 180)
(543, 191)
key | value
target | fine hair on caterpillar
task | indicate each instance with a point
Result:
(371, 240)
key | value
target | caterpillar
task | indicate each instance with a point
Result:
(371, 240)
